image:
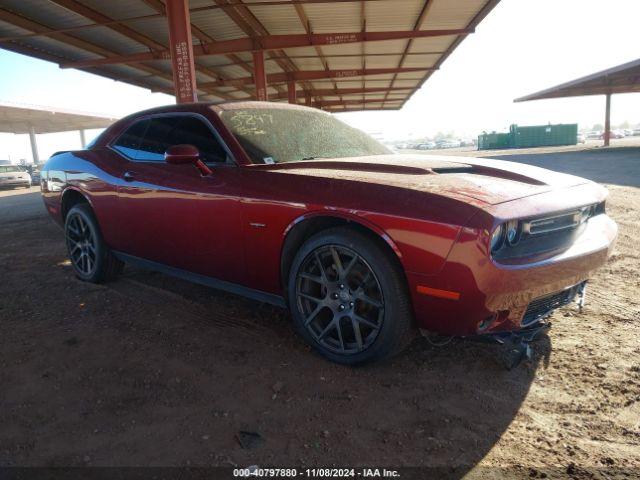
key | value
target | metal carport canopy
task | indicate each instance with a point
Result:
(624, 78)
(333, 52)
(33, 119)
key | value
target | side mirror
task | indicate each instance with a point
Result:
(186, 154)
(181, 154)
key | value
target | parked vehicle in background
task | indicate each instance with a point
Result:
(594, 135)
(426, 146)
(581, 138)
(361, 244)
(34, 171)
(636, 132)
(14, 176)
(613, 134)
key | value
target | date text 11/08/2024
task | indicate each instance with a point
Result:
(316, 472)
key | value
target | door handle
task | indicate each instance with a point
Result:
(129, 176)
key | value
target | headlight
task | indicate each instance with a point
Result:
(513, 232)
(497, 238)
(586, 213)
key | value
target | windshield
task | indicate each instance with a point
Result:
(280, 135)
(9, 169)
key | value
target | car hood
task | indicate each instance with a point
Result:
(468, 179)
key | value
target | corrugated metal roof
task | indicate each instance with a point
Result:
(623, 78)
(21, 118)
(97, 29)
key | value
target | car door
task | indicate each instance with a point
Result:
(172, 214)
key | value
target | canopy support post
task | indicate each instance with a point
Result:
(260, 76)
(607, 122)
(291, 91)
(34, 145)
(83, 138)
(181, 45)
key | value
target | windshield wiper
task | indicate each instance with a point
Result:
(312, 158)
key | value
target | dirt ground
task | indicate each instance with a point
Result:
(150, 370)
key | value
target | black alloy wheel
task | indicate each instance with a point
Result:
(348, 297)
(340, 298)
(91, 258)
(81, 244)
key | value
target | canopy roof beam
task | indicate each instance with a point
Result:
(310, 75)
(270, 42)
(306, 24)
(252, 27)
(329, 92)
(420, 20)
(357, 101)
(68, 38)
(91, 14)
(202, 37)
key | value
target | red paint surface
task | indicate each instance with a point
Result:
(437, 225)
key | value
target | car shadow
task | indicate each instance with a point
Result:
(151, 370)
(443, 407)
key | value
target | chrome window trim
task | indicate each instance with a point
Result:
(230, 162)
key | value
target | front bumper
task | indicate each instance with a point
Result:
(15, 183)
(494, 297)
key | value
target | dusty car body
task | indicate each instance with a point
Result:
(479, 246)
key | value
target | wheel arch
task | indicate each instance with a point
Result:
(305, 226)
(71, 197)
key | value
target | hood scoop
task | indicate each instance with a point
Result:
(453, 169)
(369, 167)
(488, 172)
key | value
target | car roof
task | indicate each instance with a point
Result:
(217, 107)
(220, 106)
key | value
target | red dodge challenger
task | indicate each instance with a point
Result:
(288, 205)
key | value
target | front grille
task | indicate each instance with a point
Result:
(542, 306)
(550, 234)
(552, 224)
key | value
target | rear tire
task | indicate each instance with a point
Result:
(348, 297)
(91, 258)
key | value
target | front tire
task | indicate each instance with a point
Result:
(91, 258)
(348, 297)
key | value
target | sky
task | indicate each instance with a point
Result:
(523, 46)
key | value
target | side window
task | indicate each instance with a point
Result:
(166, 131)
(194, 131)
(129, 141)
(157, 139)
